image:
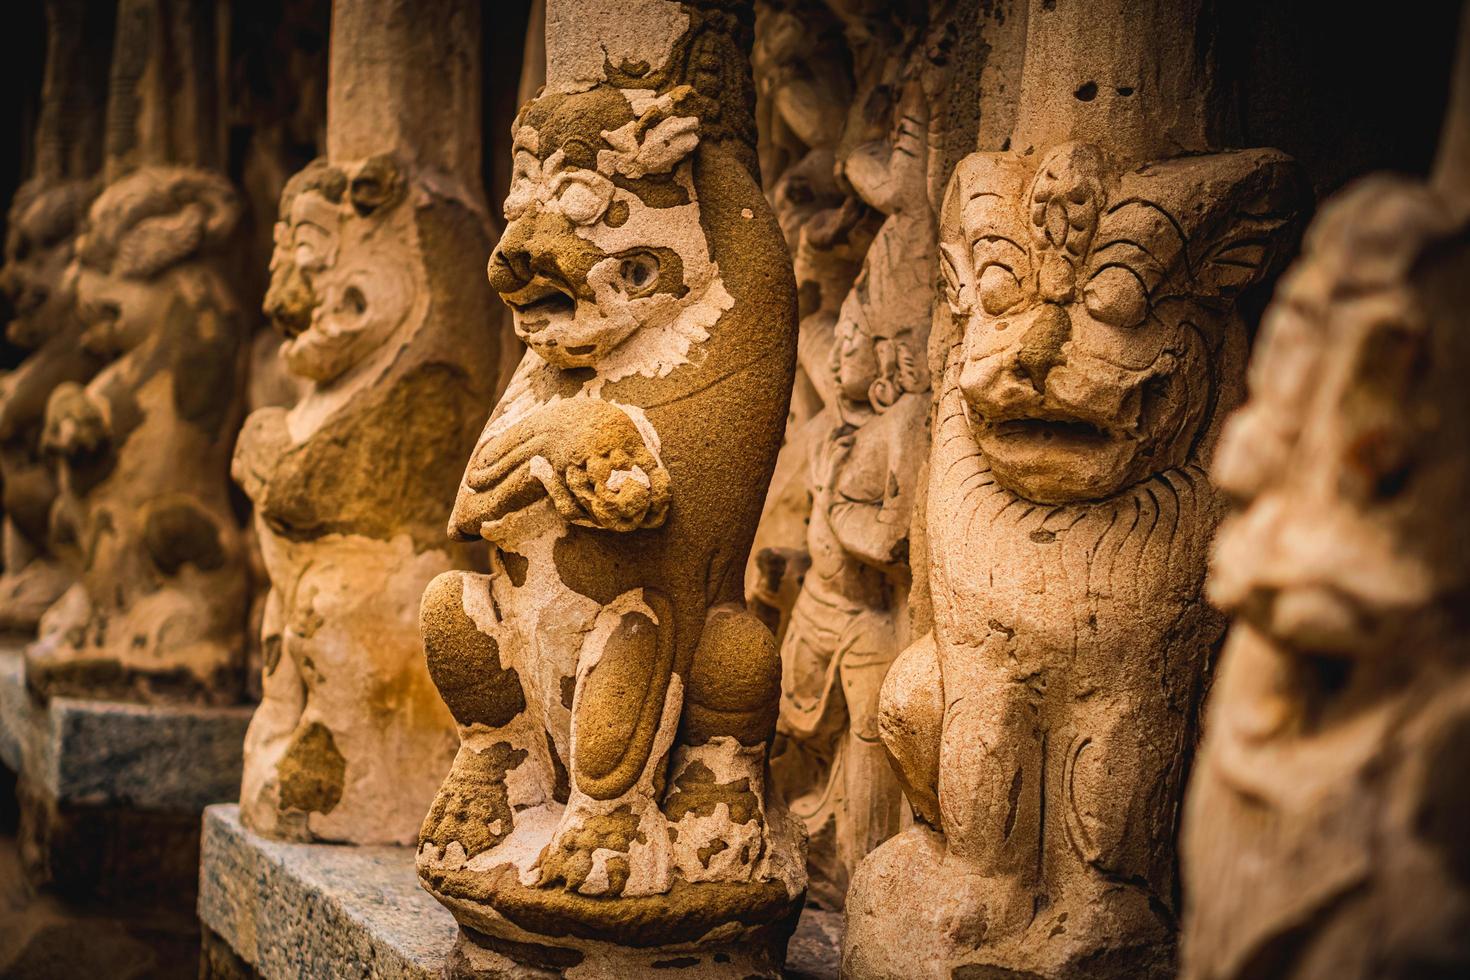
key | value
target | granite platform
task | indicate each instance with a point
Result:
(110, 793)
(283, 910)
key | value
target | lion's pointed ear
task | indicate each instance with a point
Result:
(1259, 231)
(156, 243)
(377, 185)
(1236, 216)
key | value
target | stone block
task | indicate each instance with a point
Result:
(110, 793)
(276, 909)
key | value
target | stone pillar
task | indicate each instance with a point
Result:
(163, 98)
(608, 809)
(44, 219)
(1324, 833)
(1043, 728)
(379, 292)
(144, 513)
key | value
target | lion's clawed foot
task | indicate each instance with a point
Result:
(472, 809)
(716, 810)
(611, 849)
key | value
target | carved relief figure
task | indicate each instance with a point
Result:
(803, 82)
(849, 620)
(1043, 728)
(616, 702)
(373, 287)
(142, 453)
(44, 219)
(1325, 829)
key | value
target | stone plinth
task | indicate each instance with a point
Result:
(110, 793)
(283, 910)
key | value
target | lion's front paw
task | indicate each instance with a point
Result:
(75, 425)
(608, 853)
(621, 490)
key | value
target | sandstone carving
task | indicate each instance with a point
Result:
(45, 216)
(849, 620)
(1043, 728)
(1325, 829)
(609, 809)
(142, 453)
(803, 87)
(376, 287)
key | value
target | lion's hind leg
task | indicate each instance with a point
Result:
(716, 798)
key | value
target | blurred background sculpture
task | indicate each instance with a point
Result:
(45, 217)
(1325, 828)
(850, 619)
(377, 289)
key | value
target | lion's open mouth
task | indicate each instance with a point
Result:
(1064, 433)
(556, 304)
(541, 302)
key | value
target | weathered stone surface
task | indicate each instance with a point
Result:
(301, 910)
(284, 910)
(110, 793)
(377, 288)
(608, 809)
(164, 757)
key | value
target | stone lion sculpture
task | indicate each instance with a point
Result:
(616, 701)
(142, 451)
(1042, 730)
(1325, 829)
(45, 218)
(369, 290)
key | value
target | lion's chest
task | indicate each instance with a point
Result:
(1084, 596)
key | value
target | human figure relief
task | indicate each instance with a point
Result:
(1324, 833)
(142, 452)
(804, 85)
(373, 287)
(40, 245)
(849, 619)
(1043, 728)
(616, 701)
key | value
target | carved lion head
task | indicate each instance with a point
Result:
(342, 279)
(604, 240)
(143, 229)
(40, 244)
(1095, 304)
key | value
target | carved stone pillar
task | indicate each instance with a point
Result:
(44, 219)
(378, 288)
(1043, 728)
(608, 809)
(142, 450)
(1324, 834)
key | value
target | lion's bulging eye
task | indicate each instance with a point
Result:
(639, 273)
(1116, 296)
(583, 197)
(1000, 290)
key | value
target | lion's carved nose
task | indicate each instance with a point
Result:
(510, 262)
(1041, 345)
